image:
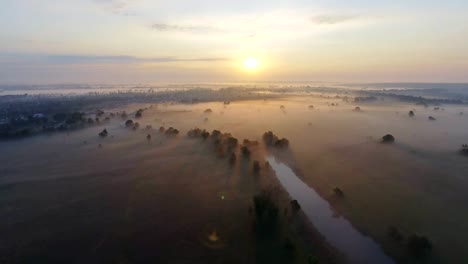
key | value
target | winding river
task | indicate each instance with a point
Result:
(338, 231)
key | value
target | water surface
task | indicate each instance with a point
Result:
(338, 231)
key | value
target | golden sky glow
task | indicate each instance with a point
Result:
(150, 41)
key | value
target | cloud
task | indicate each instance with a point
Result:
(91, 59)
(116, 6)
(182, 28)
(331, 19)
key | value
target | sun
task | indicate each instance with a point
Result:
(251, 63)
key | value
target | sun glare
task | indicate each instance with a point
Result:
(251, 63)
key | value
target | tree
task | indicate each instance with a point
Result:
(295, 205)
(103, 133)
(232, 158)
(129, 123)
(338, 192)
(171, 131)
(271, 140)
(256, 166)
(245, 152)
(388, 139)
(266, 210)
(411, 113)
(205, 134)
(139, 113)
(394, 234)
(419, 246)
(464, 149)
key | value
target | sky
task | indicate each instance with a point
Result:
(146, 41)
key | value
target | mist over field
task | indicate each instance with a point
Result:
(123, 175)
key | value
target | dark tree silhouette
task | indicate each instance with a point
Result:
(295, 205)
(103, 133)
(266, 210)
(129, 123)
(464, 149)
(338, 192)
(232, 158)
(388, 139)
(216, 134)
(411, 113)
(271, 140)
(139, 113)
(419, 246)
(171, 132)
(231, 142)
(205, 134)
(394, 234)
(194, 133)
(256, 166)
(245, 152)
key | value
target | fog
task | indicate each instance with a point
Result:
(159, 199)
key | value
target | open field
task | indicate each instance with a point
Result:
(125, 198)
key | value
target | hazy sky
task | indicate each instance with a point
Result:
(111, 41)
